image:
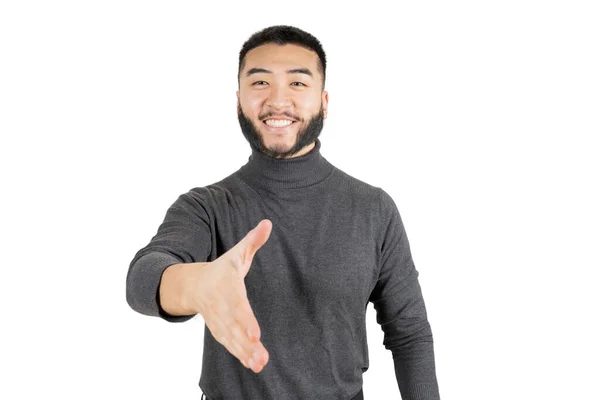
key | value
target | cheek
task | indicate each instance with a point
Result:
(251, 107)
(309, 104)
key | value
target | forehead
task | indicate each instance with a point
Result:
(273, 56)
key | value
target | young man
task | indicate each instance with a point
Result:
(282, 257)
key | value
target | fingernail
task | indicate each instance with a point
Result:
(251, 363)
(250, 335)
(256, 356)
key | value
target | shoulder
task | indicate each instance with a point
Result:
(217, 194)
(375, 198)
(379, 200)
(356, 187)
(215, 190)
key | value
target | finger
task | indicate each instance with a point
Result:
(244, 316)
(241, 311)
(245, 321)
(225, 337)
(254, 240)
(226, 331)
(247, 330)
(254, 357)
(261, 235)
(253, 353)
(260, 357)
(234, 349)
(238, 351)
(243, 346)
(227, 319)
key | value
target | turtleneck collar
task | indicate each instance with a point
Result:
(286, 173)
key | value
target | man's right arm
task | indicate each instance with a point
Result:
(171, 278)
(176, 288)
(157, 272)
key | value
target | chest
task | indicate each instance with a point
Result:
(319, 252)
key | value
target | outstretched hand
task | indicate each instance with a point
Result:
(223, 302)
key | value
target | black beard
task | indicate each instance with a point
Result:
(304, 137)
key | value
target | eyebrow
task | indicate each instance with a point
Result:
(257, 70)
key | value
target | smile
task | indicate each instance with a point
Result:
(278, 123)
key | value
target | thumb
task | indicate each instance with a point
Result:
(254, 240)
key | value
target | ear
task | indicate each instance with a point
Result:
(325, 101)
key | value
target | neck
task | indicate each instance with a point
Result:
(306, 149)
(305, 168)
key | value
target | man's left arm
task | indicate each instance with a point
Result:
(400, 309)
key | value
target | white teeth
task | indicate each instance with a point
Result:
(278, 122)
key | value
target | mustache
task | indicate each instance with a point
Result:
(286, 114)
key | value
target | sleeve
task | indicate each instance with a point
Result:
(400, 309)
(184, 236)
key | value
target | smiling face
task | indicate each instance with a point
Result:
(281, 105)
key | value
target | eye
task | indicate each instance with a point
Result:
(258, 82)
(299, 83)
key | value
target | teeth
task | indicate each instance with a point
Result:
(278, 122)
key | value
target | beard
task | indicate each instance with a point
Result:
(305, 136)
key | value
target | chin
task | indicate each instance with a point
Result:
(288, 137)
(281, 145)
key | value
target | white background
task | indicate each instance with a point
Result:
(479, 118)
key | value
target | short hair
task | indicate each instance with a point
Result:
(282, 35)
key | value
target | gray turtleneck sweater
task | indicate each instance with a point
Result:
(336, 244)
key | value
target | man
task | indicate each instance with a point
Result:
(282, 257)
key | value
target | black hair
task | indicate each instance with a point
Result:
(282, 35)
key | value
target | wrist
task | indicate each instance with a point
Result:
(172, 290)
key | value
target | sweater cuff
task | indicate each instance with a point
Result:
(421, 391)
(144, 288)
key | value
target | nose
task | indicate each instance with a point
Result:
(279, 97)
